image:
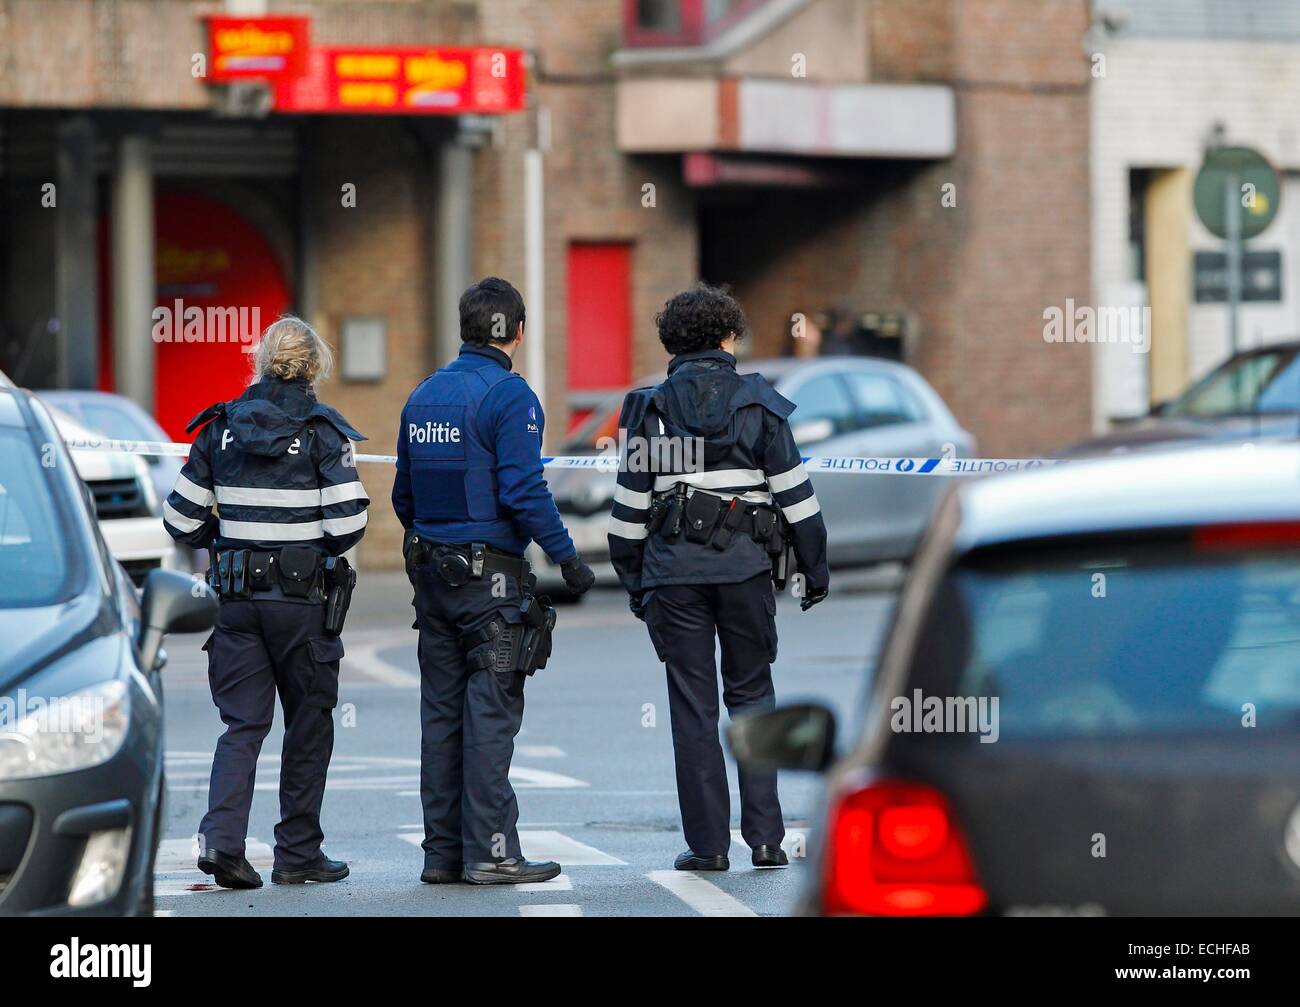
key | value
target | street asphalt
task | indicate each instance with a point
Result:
(593, 771)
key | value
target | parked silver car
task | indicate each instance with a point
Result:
(843, 406)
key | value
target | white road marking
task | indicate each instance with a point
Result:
(704, 897)
(544, 845)
(364, 659)
(795, 843)
(176, 871)
(539, 751)
(551, 909)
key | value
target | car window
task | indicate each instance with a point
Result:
(881, 400)
(822, 409)
(34, 568)
(1262, 382)
(1135, 641)
(112, 421)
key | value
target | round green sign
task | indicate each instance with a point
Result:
(1255, 184)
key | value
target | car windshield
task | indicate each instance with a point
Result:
(112, 421)
(1131, 640)
(34, 548)
(1260, 383)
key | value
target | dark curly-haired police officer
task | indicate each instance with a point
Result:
(711, 489)
(470, 492)
(279, 466)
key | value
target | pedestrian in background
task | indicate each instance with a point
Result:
(697, 547)
(471, 494)
(279, 466)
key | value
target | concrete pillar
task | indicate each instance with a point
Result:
(134, 287)
(453, 240)
(76, 276)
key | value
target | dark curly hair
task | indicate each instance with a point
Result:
(699, 319)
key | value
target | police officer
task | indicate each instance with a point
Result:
(470, 492)
(711, 489)
(279, 466)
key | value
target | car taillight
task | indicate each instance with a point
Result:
(895, 849)
(1254, 535)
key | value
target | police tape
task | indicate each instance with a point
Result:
(815, 464)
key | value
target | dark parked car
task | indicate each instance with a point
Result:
(81, 719)
(1254, 395)
(1136, 621)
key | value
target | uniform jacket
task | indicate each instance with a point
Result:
(279, 466)
(469, 465)
(748, 452)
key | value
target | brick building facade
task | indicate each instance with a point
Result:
(850, 216)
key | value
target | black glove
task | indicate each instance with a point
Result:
(635, 604)
(578, 577)
(814, 595)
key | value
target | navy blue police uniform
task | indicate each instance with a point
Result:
(693, 536)
(278, 465)
(470, 486)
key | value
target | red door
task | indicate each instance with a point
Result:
(600, 320)
(209, 259)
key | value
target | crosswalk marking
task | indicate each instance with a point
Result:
(543, 845)
(551, 909)
(795, 843)
(704, 897)
(176, 870)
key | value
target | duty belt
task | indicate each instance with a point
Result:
(457, 563)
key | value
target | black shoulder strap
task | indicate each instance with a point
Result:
(336, 419)
(209, 414)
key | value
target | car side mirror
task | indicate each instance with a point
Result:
(172, 603)
(800, 736)
(812, 431)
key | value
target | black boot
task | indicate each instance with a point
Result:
(228, 870)
(511, 872)
(441, 875)
(323, 869)
(690, 861)
(770, 856)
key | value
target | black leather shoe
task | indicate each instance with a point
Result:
(770, 856)
(511, 872)
(323, 869)
(689, 861)
(441, 875)
(228, 870)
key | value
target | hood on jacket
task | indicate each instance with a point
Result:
(271, 413)
(703, 393)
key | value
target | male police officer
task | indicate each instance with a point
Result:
(471, 494)
(279, 466)
(710, 488)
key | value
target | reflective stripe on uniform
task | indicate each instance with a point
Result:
(192, 491)
(253, 496)
(344, 525)
(272, 531)
(178, 520)
(788, 480)
(802, 509)
(712, 480)
(342, 493)
(627, 529)
(632, 498)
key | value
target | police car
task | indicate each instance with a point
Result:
(1088, 702)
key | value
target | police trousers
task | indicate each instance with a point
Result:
(258, 649)
(683, 620)
(468, 723)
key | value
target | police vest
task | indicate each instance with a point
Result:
(453, 468)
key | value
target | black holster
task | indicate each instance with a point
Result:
(340, 581)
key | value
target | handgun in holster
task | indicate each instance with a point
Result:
(539, 624)
(340, 580)
(658, 512)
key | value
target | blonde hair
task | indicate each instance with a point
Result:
(291, 350)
